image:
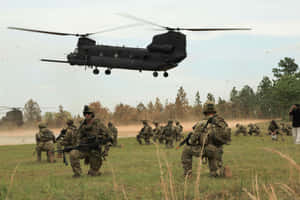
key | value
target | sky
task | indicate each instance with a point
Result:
(215, 63)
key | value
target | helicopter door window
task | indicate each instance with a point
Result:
(116, 55)
(101, 54)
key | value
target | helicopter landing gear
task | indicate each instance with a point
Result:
(155, 74)
(96, 71)
(166, 74)
(108, 72)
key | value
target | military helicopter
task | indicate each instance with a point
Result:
(165, 51)
(13, 116)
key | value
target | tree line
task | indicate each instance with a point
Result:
(271, 99)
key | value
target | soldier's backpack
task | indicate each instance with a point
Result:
(46, 135)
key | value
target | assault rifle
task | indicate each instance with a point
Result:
(186, 140)
(62, 134)
(92, 144)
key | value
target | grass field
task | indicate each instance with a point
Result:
(151, 172)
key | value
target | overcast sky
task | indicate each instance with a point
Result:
(216, 61)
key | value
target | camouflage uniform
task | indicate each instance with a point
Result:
(240, 129)
(253, 128)
(169, 133)
(114, 132)
(157, 133)
(287, 129)
(210, 134)
(89, 131)
(70, 136)
(179, 129)
(45, 142)
(274, 130)
(145, 133)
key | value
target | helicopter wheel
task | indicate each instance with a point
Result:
(166, 74)
(155, 74)
(96, 71)
(108, 72)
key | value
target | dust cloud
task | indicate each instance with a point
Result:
(27, 136)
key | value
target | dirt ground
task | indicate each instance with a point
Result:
(27, 136)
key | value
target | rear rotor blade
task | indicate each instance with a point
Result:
(212, 29)
(57, 61)
(115, 28)
(40, 31)
(141, 20)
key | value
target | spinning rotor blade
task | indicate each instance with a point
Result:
(181, 29)
(75, 34)
(211, 29)
(40, 31)
(142, 20)
(115, 29)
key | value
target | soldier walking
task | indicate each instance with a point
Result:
(145, 133)
(179, 130)
(45, 140)
(114, 132)
(157, 132)
(169, 133)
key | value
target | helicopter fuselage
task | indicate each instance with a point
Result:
(164, 53)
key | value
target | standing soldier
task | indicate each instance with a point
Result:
(114, 132)
(240, 129)
(169, 133)
(157, 131)
(145, 133)
(45, 140)
(179, 129)
(274, 130)
(91, 133)
(69, 138)
(208, 138)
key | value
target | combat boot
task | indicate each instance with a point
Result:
(76, 176)
(93, 173)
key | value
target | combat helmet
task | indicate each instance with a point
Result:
(170, 121)
(209, 107)
(155, 122)
(237, 125)
(42, 125)
(87, 110)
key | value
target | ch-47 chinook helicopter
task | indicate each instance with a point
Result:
(165, 51)
(13, 115)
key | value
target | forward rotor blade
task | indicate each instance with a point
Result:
(212, 29)
(115, 28)
(40, 31)
(57, 61)
(141, 20)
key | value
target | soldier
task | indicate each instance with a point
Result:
(45, 140)
(274, 131)
(157, 131)
(285, 128)
(145, 133)
(208, 137)
(70, 134)
(253, 128)
(169, 133)
(90, 131)
(179, 129)
(114, 132)
(240, 129)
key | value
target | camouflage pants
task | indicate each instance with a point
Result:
(94, 157)
(238, 133)
(59, 147)
(47, 147)
(169, 142)
(140, 137)
(213, 155)
(115, 140)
